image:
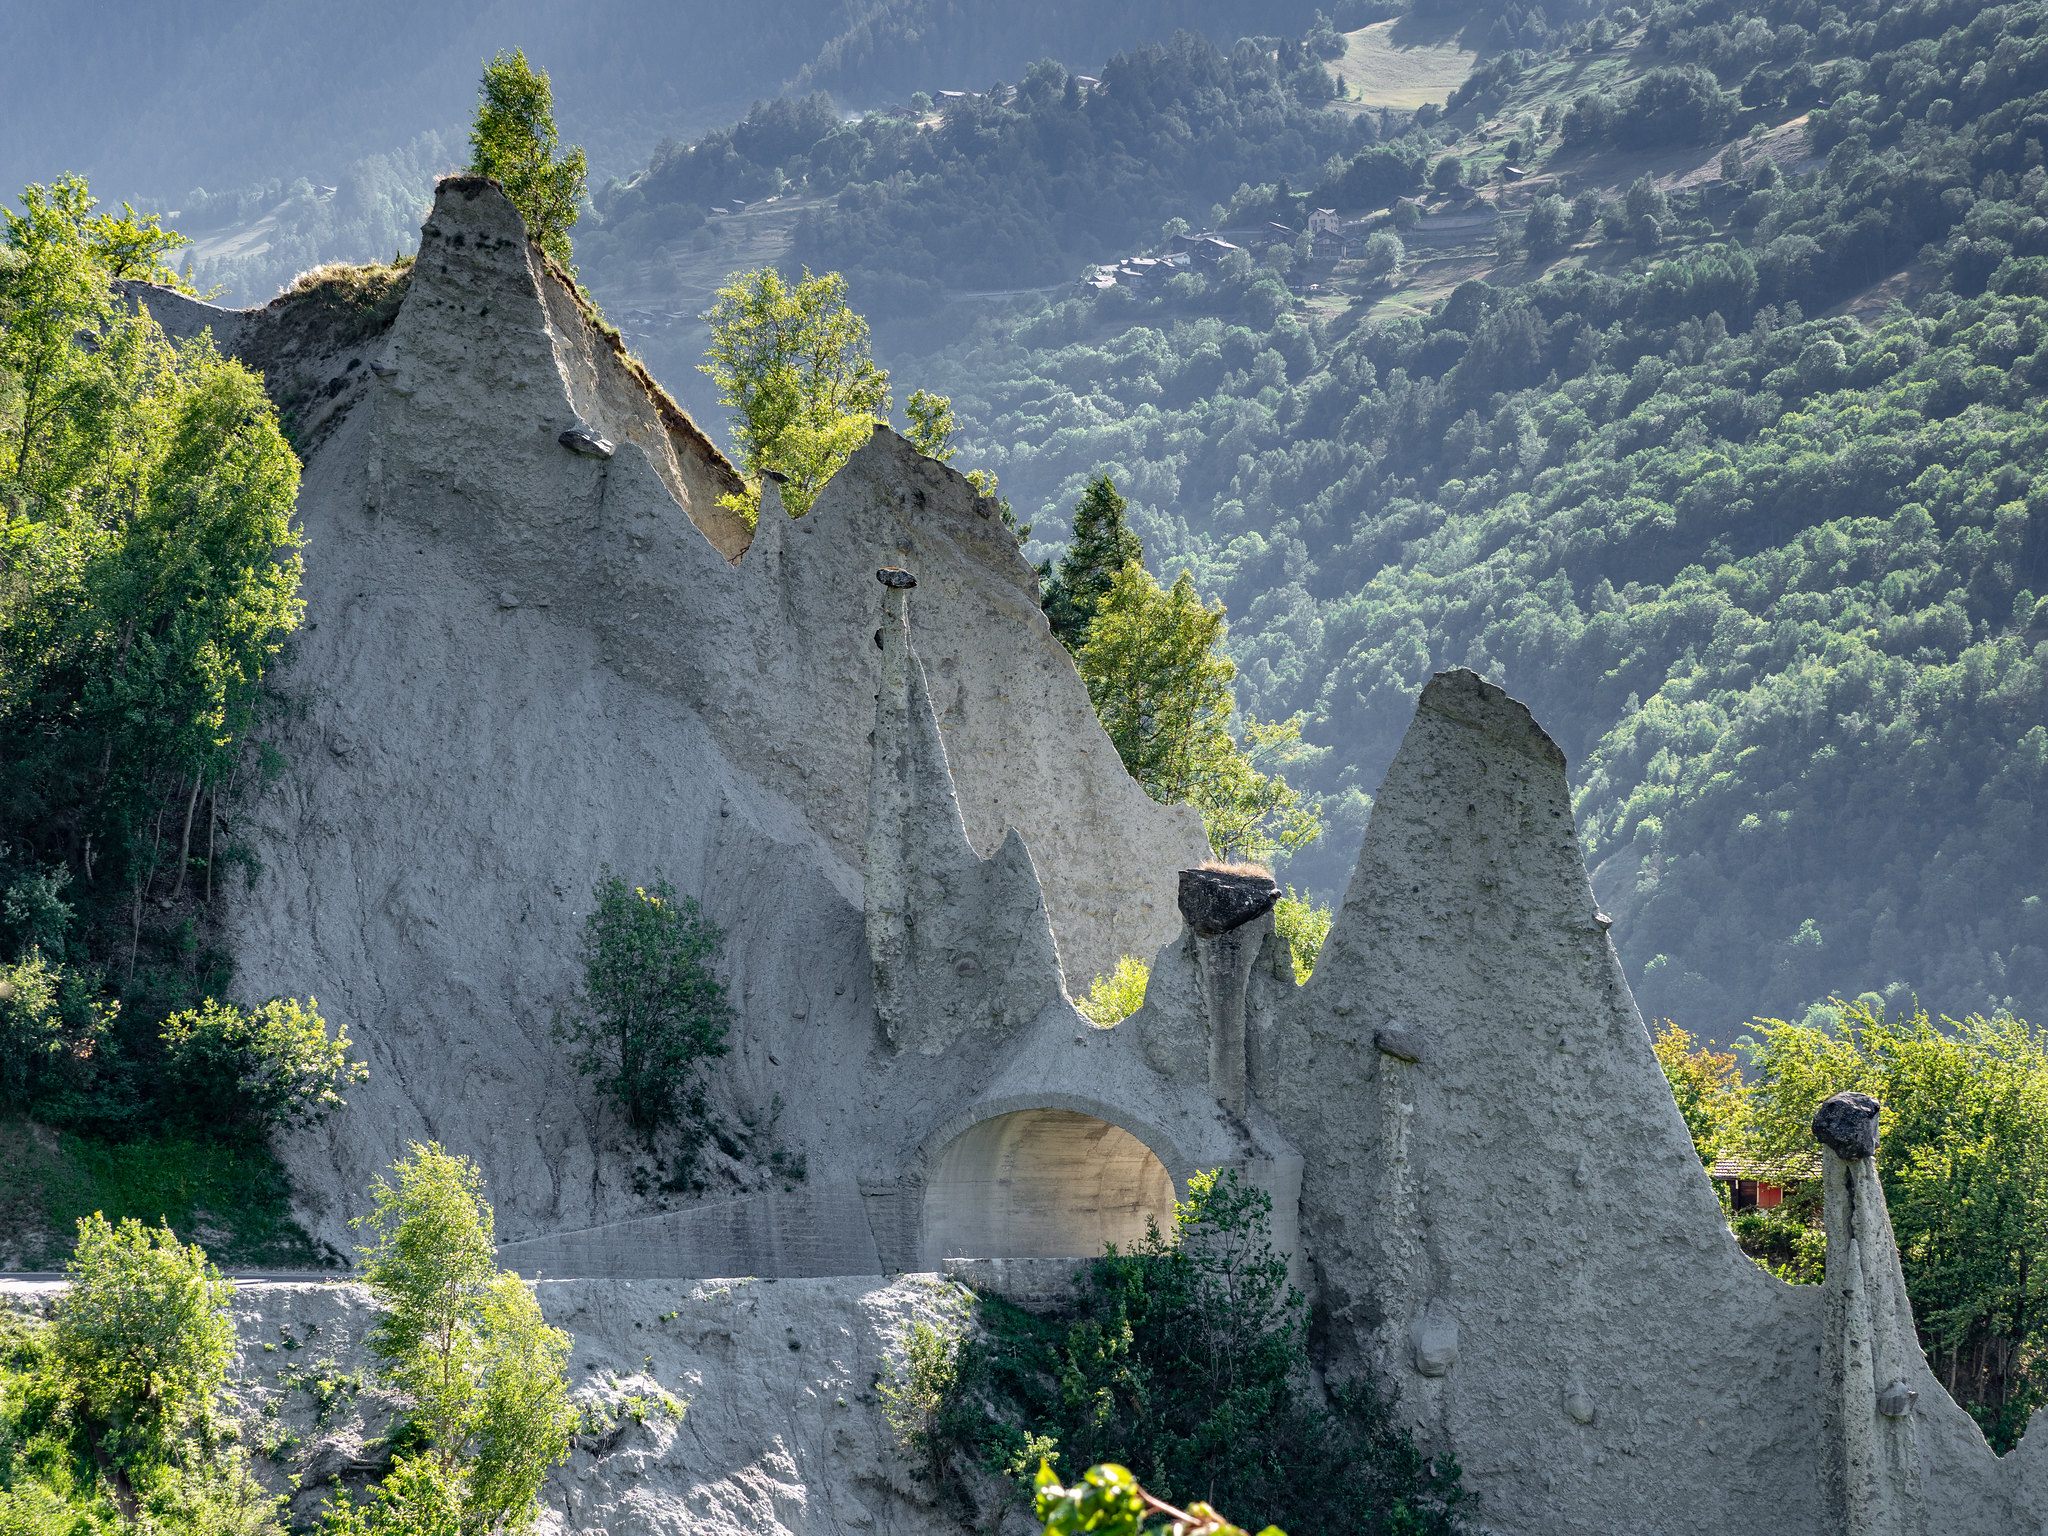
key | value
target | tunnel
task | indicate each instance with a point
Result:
(1042, 1183)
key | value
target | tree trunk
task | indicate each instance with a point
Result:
(212, 824)
(185, 839)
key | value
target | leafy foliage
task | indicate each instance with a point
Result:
(116, 1401)
(1185, 1361)
(513, 140)
(654, 1008)
(1107, 1500)
(148, 574)
(235, 1191)
(1304, 926)
(419, 1496)
(271, 1065)
(1102, 545)
(791, 363)
(1152, 659)
(1964, 1157)
(1708, 1087)
(1116, 995)
(922, 1379)
(143, 1333)
(467, 1343)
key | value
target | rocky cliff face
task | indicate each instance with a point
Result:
(522, 662)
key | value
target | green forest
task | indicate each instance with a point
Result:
(1724, 453)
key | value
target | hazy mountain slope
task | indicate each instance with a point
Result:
(206, 93)
(900, 46)
(1631, 428)
(316, 132)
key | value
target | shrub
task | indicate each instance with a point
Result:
(1306, 927)
(1186, 1361)
(274, 1065)
(52, 1023)
(419, 1496)
(922, 1380)
(143, 1335)
(1786, 1242)
(653, 1008)
(1117, 995)
(1107, 1501)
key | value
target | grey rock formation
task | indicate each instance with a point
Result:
(588, 441)
(1847, 1125)
(1401, 1042)
(671, 694)
(1530, 1177)
(1214, 901)
(523, 663)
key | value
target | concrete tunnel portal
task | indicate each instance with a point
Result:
(1042, 1183)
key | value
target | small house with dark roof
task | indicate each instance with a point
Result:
(1759, 1184)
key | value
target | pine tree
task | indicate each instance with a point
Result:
(1103, 545)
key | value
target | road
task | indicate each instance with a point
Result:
(240, 1276)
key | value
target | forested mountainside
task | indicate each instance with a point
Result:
(346, 114)
(1699, 402)
(902, 46)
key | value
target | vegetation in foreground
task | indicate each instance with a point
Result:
(117, 1419)
(114, 1416)
(1108, 1501)
(466, 1344)
(1186, 1361)
(148, 575)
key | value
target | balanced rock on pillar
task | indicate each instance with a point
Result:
(1214, 901)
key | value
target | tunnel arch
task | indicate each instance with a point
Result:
(1043, 1181)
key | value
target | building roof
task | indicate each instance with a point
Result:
(1780, 1170)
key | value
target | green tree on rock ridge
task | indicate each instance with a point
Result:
(1103, 545)
(792, 363)
(513, 140)
(931, 429)
(1156, 672)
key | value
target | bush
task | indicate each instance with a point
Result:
(654, 1010)
(1305, 926)
(52, 1022)
(1114, 997)
(143, 1335)
(1186, 1361)
(1786, 1242)
(275, 1065)
(922, 1380)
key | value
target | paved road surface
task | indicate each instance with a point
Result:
(247, 1276)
